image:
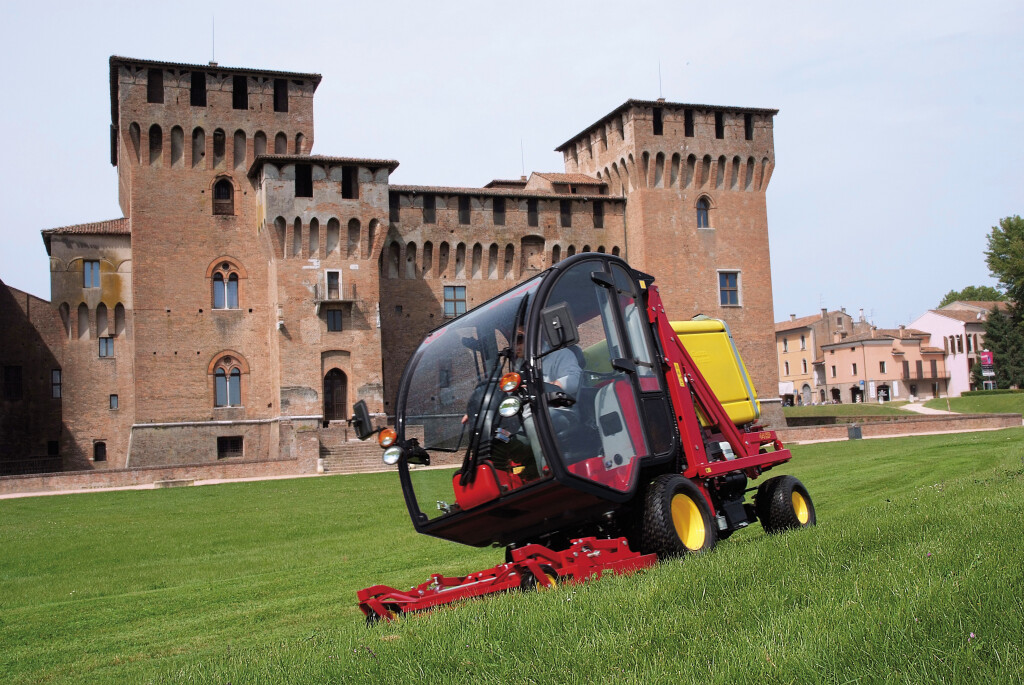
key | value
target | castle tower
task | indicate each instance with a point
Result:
(696, 218)
(204, 322)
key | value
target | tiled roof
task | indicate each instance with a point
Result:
(802, 322)
(964, 315)
(109, 227)
(575, 179)
(982, 304)
(502, 192)
(667, 105)
(391, 164)
(519, 182)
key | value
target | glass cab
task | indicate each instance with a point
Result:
(546, 403)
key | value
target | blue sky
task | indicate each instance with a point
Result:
(898, 142)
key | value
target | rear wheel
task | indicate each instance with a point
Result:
(677, 519)
(783, 503)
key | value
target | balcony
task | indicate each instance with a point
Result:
(333, 293)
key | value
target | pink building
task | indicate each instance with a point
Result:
(883, 365)
(961, 328)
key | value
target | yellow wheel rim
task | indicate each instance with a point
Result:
(688, 522)
(800, 508)
(554, 582)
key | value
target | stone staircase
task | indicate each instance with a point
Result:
(338, 455)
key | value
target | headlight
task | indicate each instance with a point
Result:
(509, 406)
(392, 455)
(387, 437)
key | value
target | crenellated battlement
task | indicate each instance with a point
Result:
(659, 144)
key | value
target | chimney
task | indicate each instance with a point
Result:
(861, 314)
(824, 313)
(792, 317)
(842, 309)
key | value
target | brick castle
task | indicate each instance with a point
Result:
(253, 292)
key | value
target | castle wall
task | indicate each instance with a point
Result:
(420, 258)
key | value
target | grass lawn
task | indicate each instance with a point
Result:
(862, 409)
(1010, 403)
(913, 574)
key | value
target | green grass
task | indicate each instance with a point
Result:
(917, 547)
(982, 404)
(863, 409)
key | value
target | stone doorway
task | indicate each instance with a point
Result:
(335, 395)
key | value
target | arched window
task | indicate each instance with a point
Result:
(224, 198)
(177, 147)
(239, 149)
(198, 146)
(156, 145)
(225, 285)
(280, 144)
(218, 148)
(135, 134)
(227, 380)
(259, 143)
(703, 212)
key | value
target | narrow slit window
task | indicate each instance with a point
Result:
(155, 86)
(280, 95)
(565, 213)
(719, 125)
(499, 211)
(531, 213)
(303, 180)
(197, 94)
(464, 210)
(688, 123)
(350, 183)
(748, 126)
(598, 214)
(240, 92)
(659, 126)
(429, 209)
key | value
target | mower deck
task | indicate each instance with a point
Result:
(531, 566)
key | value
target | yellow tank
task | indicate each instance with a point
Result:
(710, 344)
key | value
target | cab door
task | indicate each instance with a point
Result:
(590, 381)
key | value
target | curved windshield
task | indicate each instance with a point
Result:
(451, 400)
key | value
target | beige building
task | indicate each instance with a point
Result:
(798, 346)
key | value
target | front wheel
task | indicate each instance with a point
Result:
(783, 503)
(677, 519)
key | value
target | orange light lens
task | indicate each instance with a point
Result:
(510, 381)
(387, 437)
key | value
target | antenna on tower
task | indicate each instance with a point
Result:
(522, 157)
(659, 79)
(213, 39)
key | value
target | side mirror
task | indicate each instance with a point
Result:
(361, 422)
(559, 326)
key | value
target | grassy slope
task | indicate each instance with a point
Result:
(864, 409)
(982, 404)
(917, 547)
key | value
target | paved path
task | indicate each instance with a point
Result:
(921, 409)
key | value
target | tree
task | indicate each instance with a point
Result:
(1005, 339)
(1005, 256)
(984, 293)
(977, 378)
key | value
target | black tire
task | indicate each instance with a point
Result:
(677, 519)
(783, 503)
